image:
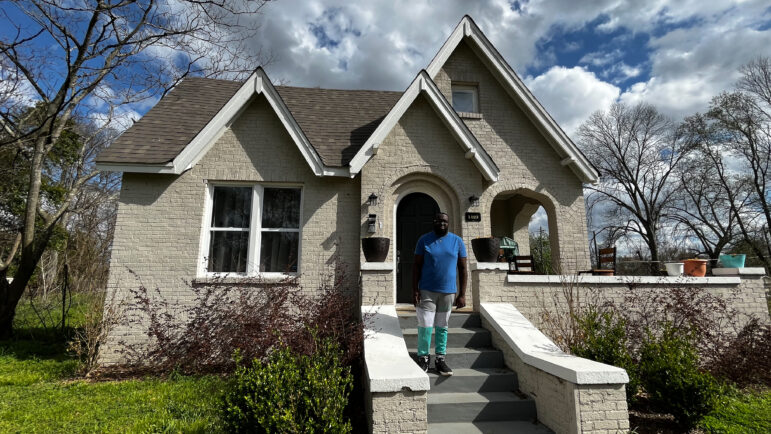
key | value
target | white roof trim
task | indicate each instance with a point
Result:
(514, 85)
(424, 84)
(258, 83)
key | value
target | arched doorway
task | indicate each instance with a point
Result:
(414, 217)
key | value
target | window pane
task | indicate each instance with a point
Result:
(232, 207)
(463, 101)
(281, 208)
(228, 252)
(278, 252)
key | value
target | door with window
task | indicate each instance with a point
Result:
(414, 217)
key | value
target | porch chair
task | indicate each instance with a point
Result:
(521, 264)
(606, 261)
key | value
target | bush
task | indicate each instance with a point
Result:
(746, 359)
(602, 337)
(669, 373)
(290, 393)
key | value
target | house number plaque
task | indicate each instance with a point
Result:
(473, 217)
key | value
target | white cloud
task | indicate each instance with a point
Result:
(570, 95)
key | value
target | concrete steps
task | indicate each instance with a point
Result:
(480, 395)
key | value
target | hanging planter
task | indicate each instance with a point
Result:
(674, 268)
(695, 267)
(733, 261)
(486, 249)
(375, 248)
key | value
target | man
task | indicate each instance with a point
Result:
(440, 257)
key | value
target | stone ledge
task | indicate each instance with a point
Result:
(750, 271)
(622, 280)
(535, 349)
(388, 364)
(478, 266)
(377, 266)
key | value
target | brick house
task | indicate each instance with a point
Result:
(252, 179)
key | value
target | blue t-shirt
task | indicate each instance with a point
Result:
(440, 261)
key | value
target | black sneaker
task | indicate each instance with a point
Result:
(423, 362)
(442, 368)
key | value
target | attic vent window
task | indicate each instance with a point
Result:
(465, 98)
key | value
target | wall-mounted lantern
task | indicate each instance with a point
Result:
(371, 221)
(474, 200)
(372, 199)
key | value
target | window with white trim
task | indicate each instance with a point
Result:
(465, 98)
(251, 229)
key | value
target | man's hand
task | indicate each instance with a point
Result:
(460, 302)
(416, 298)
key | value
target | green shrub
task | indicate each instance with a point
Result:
(290, 393)
(669, 373)
(602, 337)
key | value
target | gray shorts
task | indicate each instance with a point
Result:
(434, 308)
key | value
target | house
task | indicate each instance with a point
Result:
(252, 179)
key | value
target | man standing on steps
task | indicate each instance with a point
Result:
(440, 258)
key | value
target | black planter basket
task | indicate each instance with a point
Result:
(375, 248)
(486, 249)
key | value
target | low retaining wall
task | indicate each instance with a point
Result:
(537, 295)
(572, 395)
(395, 386)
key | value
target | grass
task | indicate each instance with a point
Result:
(41, 392)
(740, 412)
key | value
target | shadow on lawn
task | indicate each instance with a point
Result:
(37, 343)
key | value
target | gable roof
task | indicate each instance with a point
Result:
(468, 30)
(332, 123)
(423, 84)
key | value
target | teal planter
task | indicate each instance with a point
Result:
(733, 261)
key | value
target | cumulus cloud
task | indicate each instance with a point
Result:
(570, 95)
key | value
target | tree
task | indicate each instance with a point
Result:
(636, 150)
(65, 65)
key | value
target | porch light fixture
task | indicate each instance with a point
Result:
(372, 199)
(474, 200)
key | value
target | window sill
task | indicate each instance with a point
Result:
(236, 279)
(469, 115)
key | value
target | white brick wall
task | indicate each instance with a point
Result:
(399, 412)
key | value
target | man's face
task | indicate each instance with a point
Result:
(441, 224)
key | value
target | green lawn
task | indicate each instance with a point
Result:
(740, 412)
(39, 392)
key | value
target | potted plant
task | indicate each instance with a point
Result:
(486, 249)
(695, 267)
(674, 268)
(733, 260)
(375, 248)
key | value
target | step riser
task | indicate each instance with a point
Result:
(479, 339)
(491, 411)
(481, 383)
(456, 320)
(476, 360)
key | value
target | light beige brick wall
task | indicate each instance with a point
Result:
(159, 221)
(398, 412)
(563, 406)
(528, 163)
(377, 287)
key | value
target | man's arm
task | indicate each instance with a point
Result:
(417, 270)
(460, 301)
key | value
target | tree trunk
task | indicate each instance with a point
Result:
(10, 294)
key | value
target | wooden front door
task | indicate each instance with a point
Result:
(414, 217)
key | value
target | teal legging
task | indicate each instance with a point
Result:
(424, 340)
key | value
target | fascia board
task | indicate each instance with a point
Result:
(423, 83)
(136, 168)
(556, 137)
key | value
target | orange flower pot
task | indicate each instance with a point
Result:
(695, 267)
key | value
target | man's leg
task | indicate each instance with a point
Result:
(426, 310)
(441, 321)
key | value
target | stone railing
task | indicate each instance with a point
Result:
(395, 386)
(572, 395)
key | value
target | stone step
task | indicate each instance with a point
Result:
(459, 358)
(408, 320)
(475, 407)
(474, 380)
(456, 337)
(504, 427)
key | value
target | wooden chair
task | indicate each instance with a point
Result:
(606, 263)
(520, 264)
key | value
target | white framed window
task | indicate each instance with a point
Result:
(465, 98)
(251, 230)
